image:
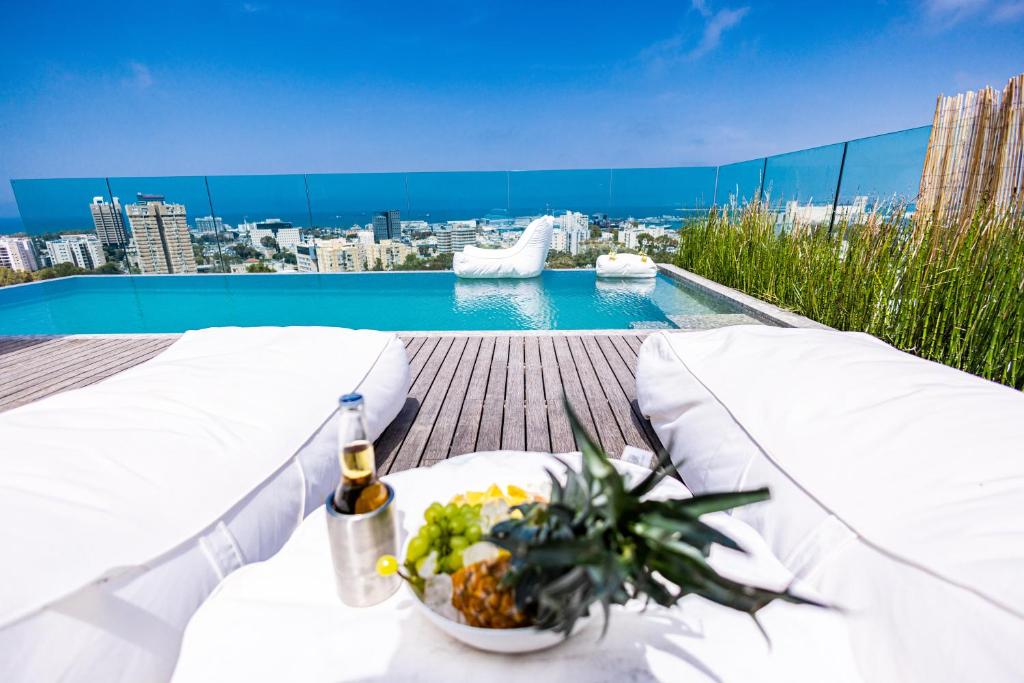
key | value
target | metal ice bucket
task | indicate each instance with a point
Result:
(356, 543)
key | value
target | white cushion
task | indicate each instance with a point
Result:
(134, 497)
(626, 266)
(282, 620)
(524, 259)
(897, 484)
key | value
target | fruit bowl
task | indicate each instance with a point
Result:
(500, 640)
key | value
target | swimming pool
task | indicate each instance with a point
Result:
(557, 300)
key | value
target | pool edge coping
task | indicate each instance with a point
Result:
(756, 308)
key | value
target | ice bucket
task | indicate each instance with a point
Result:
(356, 543)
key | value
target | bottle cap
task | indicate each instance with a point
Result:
(350, 400)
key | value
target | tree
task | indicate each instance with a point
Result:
(259, 267)
(244, 251)
(197, 251)
(287, 257)
(270, 243)
(108, 268)
(59, 270)
(13, 277)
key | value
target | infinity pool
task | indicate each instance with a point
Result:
(558, 300)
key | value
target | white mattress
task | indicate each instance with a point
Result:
(897, 483)
(281, 619)
(136, 496)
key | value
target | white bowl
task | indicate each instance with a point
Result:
(504, 640)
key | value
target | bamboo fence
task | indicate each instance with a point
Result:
(976, 153)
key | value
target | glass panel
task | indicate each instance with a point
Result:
(437, 197)
(738, 183)
(885, 168)
(808, 176)
(259, 218)
(339, 200)
(536, 192)
(160, 215)
(56, 205)
(237, 199)
(650, 192)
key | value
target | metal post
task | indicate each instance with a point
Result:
(760, 190)
(839, 184)
(309, 206)
(124, 223)
(714, 197)
(213, 215)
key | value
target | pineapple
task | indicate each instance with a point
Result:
(598, 542)
(478, 595)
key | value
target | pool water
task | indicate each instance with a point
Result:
(557, 300)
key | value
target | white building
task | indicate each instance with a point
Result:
(629, 237)
(208, 225)
(84, 251)
(795, 214)
(456, 236)
(18, 253)
(305, 257)
(286, 236)
(365, 237)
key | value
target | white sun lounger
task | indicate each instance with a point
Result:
(125, 503)
(525, 259)
(897, 484)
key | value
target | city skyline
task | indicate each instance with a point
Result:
(472, 96)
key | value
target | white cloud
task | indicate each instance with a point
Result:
(679, 46)
(719, 23)
(141, 76)
(253, 7)
(1008, 11)
(947, 13)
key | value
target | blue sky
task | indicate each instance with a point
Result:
(91, 89)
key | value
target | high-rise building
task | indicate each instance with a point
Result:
(572, 228)
(387, 225)
(444, 241)
(18, 253)
(84, 251)
(206, 225)
(160, 232)
(109, 222)
(463, 234)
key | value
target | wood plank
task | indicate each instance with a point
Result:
(630, 425)
(387, 445)
(560, 432)
(607, 428)
(18, 358)
(572, 386)
(489, 436)
(537, 434)
(468, 425)
(411, 450)
(626, 352)
(628, 384)
(15, 349)
(513, 428)
(48, 365)
(93, 372)
(439, 445)
(634, 342)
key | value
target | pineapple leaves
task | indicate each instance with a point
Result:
(597, 542)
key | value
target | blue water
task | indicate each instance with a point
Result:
(566, 300)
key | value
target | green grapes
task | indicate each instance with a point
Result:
(448, 530)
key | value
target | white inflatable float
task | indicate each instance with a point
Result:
(626, 265)
(525, 259)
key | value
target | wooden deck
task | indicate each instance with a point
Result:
(469, 393)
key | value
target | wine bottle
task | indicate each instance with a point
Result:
(359, 490)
